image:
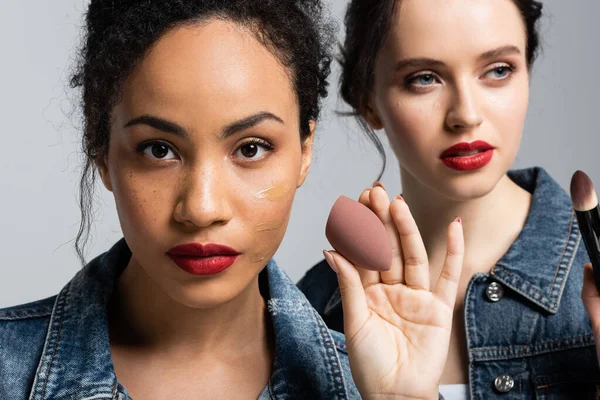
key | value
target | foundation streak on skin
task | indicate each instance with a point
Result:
(256, 259)
(267, 226)
(273, 193)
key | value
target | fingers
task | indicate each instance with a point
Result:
(380, 205)
(591, 297)
(447, 285)
(416, 266)
(367, 277)
(364, 197)
(589, 290)
(354, 300)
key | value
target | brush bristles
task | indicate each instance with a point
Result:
(583, 194)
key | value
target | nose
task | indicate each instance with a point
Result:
(204, 199)
(464, 112)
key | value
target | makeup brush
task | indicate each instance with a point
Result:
(585, 204)
(358, 234)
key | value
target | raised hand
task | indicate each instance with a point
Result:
(591, 300)
(398, 328)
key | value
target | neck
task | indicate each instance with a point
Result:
(142, 315)
(490, 222)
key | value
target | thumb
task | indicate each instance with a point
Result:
(591, 297)
(354, 300)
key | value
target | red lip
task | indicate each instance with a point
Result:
(454, 158)
(198, 259)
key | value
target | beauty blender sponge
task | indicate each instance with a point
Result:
(358, 234)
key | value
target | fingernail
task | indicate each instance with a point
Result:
(379, 184)
(459, 220)
(399, 197)
(330, 261)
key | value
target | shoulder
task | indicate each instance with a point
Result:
(23, 330)
(37, 309)
(318, 285)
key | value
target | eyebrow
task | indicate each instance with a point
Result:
(172, 128)
(500, 51)
(432, 62)
(418, 63)
(248, 122)
(159, 124)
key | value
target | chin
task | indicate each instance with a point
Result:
(461, 187)
(201, 297)
(211, 292)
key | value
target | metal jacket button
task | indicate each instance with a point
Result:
(504, 383)
(494, 291)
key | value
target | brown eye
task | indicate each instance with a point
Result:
(249, 150)
(159, 151)
(253, 150)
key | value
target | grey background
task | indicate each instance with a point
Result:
(39, 166)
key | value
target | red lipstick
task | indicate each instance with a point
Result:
(468, 156)
(207, 259)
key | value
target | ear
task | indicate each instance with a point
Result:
(102, 165)
(371, 114)
(307, 145)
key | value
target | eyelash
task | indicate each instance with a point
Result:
(409, 81)
(508, 66)
(260, 142)
(141, 148)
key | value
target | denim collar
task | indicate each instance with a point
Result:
(307, 364)
(538, 262)
(76, 357)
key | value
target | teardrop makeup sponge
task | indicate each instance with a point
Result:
(358, 234)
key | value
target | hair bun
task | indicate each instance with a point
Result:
(102, 14)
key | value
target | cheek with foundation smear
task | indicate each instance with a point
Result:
(256, 259)
(274, 193)
(267, 226)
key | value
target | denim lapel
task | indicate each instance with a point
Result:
(76, 360)
(538, 262)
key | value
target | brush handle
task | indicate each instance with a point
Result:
(589, 226)
(595, 216)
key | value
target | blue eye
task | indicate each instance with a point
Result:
(424, 80)
(501, 72)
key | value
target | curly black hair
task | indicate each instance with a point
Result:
(118, 33)
(367, 26)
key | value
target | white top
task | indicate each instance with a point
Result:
(455, 392)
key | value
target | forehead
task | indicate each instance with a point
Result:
(216, 67)
(450, 28)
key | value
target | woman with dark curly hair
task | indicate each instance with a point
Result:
(448, 82)
(199, 118)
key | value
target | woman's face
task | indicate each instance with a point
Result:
(453, 72)
(205, 148)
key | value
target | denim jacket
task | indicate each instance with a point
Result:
(528, 334)
(58, 348)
